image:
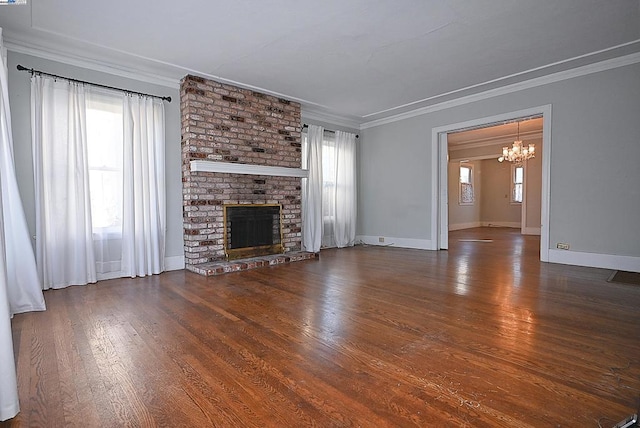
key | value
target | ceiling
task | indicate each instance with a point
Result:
(362, 60)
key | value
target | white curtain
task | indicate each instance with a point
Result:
(143, 229)
(343, 209)
(312, 223)
(24, 286)
(100, 192)
(329, 198)
(20, 288)
(64, 239)
(9, 405)
(105, 154)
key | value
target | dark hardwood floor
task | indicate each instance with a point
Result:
(481, 335)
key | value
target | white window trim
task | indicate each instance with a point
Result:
(512, 184)
(471, 179)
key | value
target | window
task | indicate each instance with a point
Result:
(517, 183)
(466, 184)
(329, 155)
(104, 153)
(336, 159)
(105, 216)
(329, 186)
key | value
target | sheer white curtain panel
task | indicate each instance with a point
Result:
(328, 189)
(345, 190)
(104, 153)
(143, 229)
(9, 403)
(312, 224)
(24, 286)
(99, 165)
(13, 298)
(64, 239)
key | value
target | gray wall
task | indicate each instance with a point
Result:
(394, 194)
(19, 101)
(496, 207)
(595, 147)
(594, 202)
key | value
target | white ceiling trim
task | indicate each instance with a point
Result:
(503, 78)
(84, 62)
(309, 109)
(312, 110)
(311, 114)
(515, 87)
(23, 46)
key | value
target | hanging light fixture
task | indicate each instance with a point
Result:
(517, 153)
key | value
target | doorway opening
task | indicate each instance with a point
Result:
(440, 171)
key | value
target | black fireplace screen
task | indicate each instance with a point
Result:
(252, 230)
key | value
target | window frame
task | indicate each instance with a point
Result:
(514, 183)
(100, 103)
(461, 186)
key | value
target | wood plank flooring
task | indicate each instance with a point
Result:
(482, 335)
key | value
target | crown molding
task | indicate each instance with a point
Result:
(151, 71)
(311, 113)
(547, 69)
(30, 46)
(584, 70)
(165, 74)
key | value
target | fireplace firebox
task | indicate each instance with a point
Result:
(252, 230)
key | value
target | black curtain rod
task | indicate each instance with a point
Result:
(55, 76)
(326, 130)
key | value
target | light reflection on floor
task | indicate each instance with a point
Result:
(499, 251)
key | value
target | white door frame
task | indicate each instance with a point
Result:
(523, 204)
(439, 168)
(443, 189)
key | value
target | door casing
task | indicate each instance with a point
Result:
(439, 171)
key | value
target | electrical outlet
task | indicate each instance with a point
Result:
(381, 239)
(562, 246)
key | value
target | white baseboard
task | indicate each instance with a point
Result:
(460, 226)
(531, 231)
(173, 263)
(513, 224)
(605, 261)
(420, 244)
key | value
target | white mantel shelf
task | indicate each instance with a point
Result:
(243, 168)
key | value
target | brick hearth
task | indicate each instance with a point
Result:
(224, 123)
(222, 267)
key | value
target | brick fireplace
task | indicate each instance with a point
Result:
(238, 147)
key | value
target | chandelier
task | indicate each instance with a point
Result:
(517, 153)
